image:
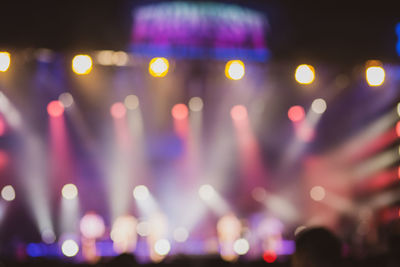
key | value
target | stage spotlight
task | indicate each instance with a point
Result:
(162, 247)
(92, 225)
(118, 110)
(179, 111)
(241, 246)
(5, 61)
(181, 234)
(48, 236)
(234, 69)
(318, 106)
(69, 248)
(143, 228)
(55, 108)
(141, 192)
(66, 99)
(398, 128)
(105, 57)
(82, 64)
(196, 104)
(305, 74)
(131, 102)
(375, 75)
(317, 193)
(69, 191)
(207, 192)
(269, 256)
(120, 58)
(398, 109)
(296, 113)
(238, 112)
(8, 193)
(158, 67)
(123, 233)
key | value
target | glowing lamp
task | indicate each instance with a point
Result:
(131, 102)
(398, 128)
(69, 191)
(317, 193)
(181, 234)
(269, 256)
(375, 75)
(207, 192)
(69, 248)
(234, 69)
(318, 106)
(123, 234)
(5, 61)
(304, 74)
(296, 113)
(118, 110)
(180, 111)
(66, 99)
(158, 67)
(82, 64)
(239, 112)
(92, 225)
(196, 104)
(55, 108)
(162, 247)
(141, 192)
(8, 193)
(241, 246)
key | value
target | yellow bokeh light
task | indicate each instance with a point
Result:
(158, 67)
(5, 61)
(305, 74)
(234, 70)
(82, 64)
(375, 75)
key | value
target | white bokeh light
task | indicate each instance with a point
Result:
(141, 192)
(69, 248)
(241, 246)
(8, 193)
(318, 106)
(162, 247)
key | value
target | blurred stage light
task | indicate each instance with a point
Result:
(118, 110)
(398, 128)
(234, 69)
(55, 108)
(398, 109)
(317, 193)
(318, 106)
(66, 99)
(375, 75)
(305, 74)
(82, 64)
(269, 256)
(69, 248)
(207, 192)
(48, 236)
(131, 102)
(181, 234)
(120, 58)
(92, 225)
(8, 193)
(143, 228)
(239, 112)
(5, 61)
(141, 192)
(241, 246)
(69, 191)
(296, 113)
(162, 247)
(196, 104)
(123, 234)
(179, 111)
(105, 57)
(158, 67)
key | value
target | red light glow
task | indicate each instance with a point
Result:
(180, 111)
(398, 128)
(4, 159)
(2, 126)
(55, 108)
(239, 112)
(296, 113)
(269, 256)
(118, 110)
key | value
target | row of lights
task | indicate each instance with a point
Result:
(234, 69)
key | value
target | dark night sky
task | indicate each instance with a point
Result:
(343, 31)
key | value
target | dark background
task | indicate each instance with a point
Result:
(337, 31)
